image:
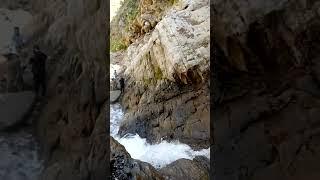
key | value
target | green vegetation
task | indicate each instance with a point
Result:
(158, 73)
(125, 23)
(117, 44)
(126, 15)
(173, 2)
(132, 11)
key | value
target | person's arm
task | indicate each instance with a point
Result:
(44, 56)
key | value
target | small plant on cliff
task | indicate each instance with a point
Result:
(132, 11)
(158, 73)
(125, 17)
(173, 2)
(117, 44)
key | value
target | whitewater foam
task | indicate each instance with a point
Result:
(158, 155)
(112, 68)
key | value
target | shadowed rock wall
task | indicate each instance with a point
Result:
(266, 111)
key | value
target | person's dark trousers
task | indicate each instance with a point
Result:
(44, 87)
(36, 86)
(40, 84)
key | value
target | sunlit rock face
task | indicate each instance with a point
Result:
(179, 42)
(167, 77)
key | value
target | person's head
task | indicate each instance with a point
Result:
(36, 48)
(16, 30)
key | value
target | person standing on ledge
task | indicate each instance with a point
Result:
(122, 84)
(115, 74)
(15, 79)
(38, 62)
(17, 41)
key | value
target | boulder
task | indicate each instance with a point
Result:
(14, 107)
(124, 167)
(114, 96)
(188, 169)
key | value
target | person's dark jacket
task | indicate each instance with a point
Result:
(38, 62)
(122, 83)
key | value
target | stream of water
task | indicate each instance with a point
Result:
(158, 155)
(19, 150)
(19, 158)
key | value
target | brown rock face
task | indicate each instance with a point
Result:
(72, 123)
(167, 78)
(266, 90)
(169, 111)
(188, 169)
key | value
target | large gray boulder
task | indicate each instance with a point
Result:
(114, 96)
(14, 107)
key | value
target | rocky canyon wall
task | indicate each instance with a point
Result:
(72, 123)
(266, 82)
(167, 76)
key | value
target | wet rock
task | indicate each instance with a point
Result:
(187, 169)
(124, 167)
(14, 107)
(98, 156)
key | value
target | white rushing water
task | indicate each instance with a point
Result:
(112, 68)
(159, 155)
(19, 157)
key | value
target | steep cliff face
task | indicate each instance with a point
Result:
(129, 23)
(267, 89)
(167, 90)
(72, 123)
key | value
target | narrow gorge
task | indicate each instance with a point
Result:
(161, 126)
